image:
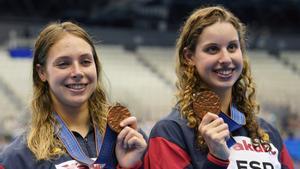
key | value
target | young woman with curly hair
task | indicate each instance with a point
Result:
(211, 56)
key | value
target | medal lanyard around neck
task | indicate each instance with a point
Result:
(236, 121)
(106, 155)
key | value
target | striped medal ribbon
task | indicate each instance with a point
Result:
(106, 155)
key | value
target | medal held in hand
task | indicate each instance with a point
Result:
(208, 101)
(117, 114)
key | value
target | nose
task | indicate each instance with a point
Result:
(77, 72)
(225, 57)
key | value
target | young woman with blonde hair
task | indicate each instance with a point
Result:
(69, 109)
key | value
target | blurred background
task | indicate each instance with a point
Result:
(135, 41)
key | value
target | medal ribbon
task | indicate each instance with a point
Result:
(236, 121)
(106, 157)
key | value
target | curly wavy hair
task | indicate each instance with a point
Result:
(188, 82)
(41, 138)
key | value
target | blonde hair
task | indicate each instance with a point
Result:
(188, 81)
(41, 137)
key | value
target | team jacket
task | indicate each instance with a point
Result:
(172, 146)
(18, 156)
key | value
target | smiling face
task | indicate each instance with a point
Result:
(70, 71)
(218, 57)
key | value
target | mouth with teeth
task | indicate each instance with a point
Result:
(76, 86)
(224, 73)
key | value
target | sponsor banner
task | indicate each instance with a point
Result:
(244, 156)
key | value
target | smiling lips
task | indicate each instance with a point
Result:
(76, 86)
(224, 73)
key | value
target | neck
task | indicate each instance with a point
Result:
(76, 118)
(225, 98)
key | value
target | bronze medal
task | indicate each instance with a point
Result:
(206, 101)
(117, 114)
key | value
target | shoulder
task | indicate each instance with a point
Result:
(269, 128)
(18, 146)
(172, 128)
(274, 134)
(170, 123)
(17, 155)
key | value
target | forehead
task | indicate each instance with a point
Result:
(69, 45)
(218, 32)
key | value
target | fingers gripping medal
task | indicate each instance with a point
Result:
(107, 156)
(206, 101)
(117, 114)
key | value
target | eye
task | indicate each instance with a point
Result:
(212, 49)
(86, 62)
(62, 64)
(232, 47)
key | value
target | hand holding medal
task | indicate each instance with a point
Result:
(116, 115)
(130, 143)
(207, 108)
(208, 101)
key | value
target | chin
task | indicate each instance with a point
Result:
(223, 86)
(78, 102)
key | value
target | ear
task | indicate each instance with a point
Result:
(188, 56)
(41, 71)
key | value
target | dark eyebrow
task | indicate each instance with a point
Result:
(62, 58)
(210, 44)
(86, 55)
